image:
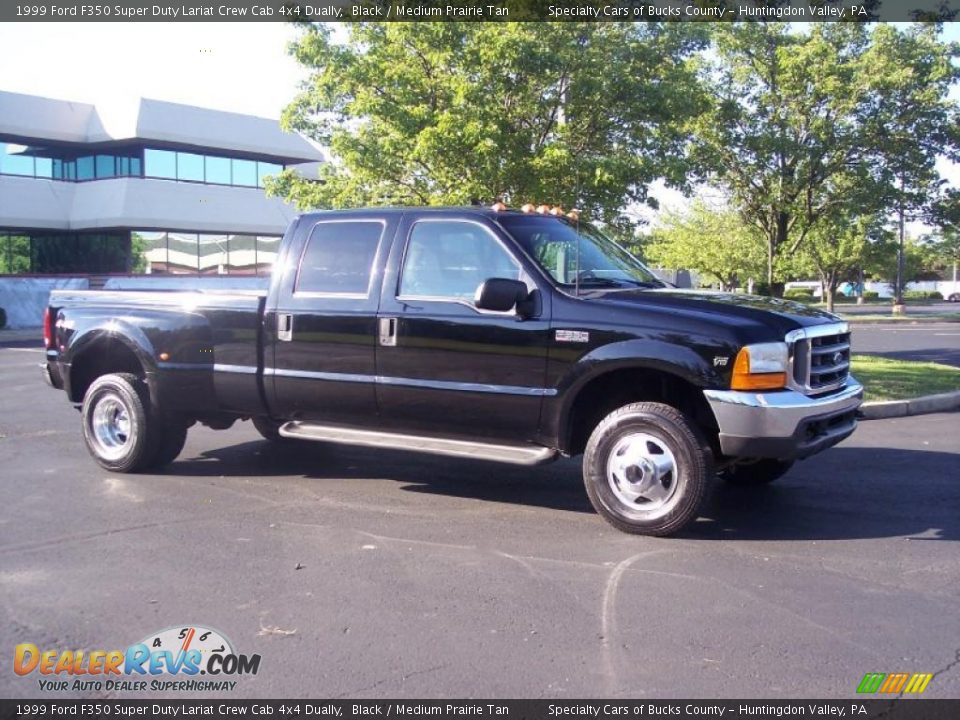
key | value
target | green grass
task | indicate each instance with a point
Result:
(886, 379)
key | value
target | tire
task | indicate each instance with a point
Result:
(120, 429)
(761, 472)
(955, 297)
(269, 429)
(174, 437)
(647, 469)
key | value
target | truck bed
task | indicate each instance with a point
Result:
(206, 341)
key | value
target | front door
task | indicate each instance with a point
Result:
(444, 367)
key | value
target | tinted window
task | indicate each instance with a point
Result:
(218, 170)
(85, 168)
(44, 167)
(160, 163)
(106, 166)
(451, 260)
(244, 172)
(267, 170)
(13, 162)
(339, 257)
(190, 167)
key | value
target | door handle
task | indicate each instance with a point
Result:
(388, 332)
(284, 327)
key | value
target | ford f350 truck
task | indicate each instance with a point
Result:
(510, 336)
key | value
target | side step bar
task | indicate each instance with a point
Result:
(512, 454)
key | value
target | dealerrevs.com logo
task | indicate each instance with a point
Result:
(170, 660)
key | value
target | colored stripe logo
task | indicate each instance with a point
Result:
(895, 683)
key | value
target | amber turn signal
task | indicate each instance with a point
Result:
(743, 379)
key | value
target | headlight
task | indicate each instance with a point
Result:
(760, 367)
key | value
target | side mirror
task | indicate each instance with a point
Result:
(500, 294)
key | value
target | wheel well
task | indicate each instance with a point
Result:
(617, 388)
(102, 358)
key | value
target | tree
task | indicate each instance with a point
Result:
(784, 125)
(584, 114)
(836, 249)
(715, 243)
(913, 121)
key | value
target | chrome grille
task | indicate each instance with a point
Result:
(821, 357)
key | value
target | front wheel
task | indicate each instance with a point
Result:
(761, 472)
(119, 427)
(646, 469)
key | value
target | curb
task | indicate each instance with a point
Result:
(941, 402)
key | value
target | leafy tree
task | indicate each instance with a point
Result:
(836, 249)
(784, 125)
(584, 114)
(913, 121)
(715, 243)
(797, 119)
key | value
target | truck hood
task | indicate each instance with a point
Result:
(782, 316)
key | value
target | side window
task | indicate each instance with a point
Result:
(339, 257)
(450, 259)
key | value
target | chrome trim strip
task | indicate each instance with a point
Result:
(311, 375)
(243, 369)
(414, 382)
(184, 366)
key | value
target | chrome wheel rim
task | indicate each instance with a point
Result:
(111, 426)
(642, 474)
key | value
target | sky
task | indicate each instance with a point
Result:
(239, 67)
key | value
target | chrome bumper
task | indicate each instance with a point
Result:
(786, 424)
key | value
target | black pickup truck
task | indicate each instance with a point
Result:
(503, 335)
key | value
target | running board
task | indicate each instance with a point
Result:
(513, 454)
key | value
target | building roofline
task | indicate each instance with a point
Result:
(39, 119)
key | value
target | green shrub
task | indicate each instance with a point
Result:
(3, 318)
(922, 295)
(871, 295)
(799, 293)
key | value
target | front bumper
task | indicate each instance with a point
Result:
(785, 424)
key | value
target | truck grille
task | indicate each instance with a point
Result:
(821, 358)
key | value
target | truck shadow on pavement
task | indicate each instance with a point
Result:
(845, 493)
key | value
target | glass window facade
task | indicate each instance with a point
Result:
(177, 253)
(64, 253)
(59, 164)
(210, 169)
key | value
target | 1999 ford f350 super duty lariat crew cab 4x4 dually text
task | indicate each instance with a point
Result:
(509, 336)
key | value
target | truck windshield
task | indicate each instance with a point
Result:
(552, 242)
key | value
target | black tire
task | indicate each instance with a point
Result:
(656, 436)
(174, 437)
(120, 429)
(269, 429)
(761, 472)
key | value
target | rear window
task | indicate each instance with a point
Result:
(339, 257)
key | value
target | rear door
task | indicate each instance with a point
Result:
(444, 367)
(321, 332)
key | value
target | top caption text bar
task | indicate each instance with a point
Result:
(480, 11)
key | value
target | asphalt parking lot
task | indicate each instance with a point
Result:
(429, 577)
(928, 341)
